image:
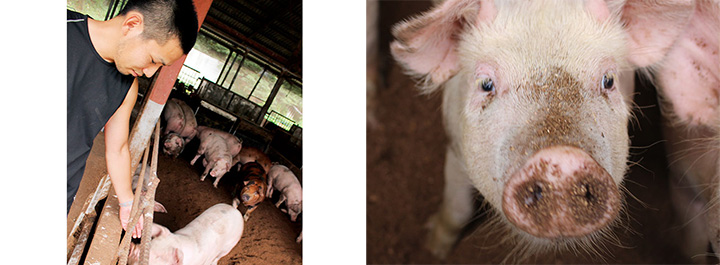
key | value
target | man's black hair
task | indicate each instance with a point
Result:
(166, 18)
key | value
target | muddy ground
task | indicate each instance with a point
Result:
(268, 237)
(405, 157)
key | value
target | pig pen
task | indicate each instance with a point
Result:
(268, 236)
(406, 146)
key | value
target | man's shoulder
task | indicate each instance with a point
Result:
(72, 15)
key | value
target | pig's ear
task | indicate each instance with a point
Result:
(158, 207)
(426, 45)
(159, 230)
(653, 27)
(178, 256)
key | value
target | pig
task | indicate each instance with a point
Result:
(205, 240)
(284, 180)
(180, 120)
(254, 187)
(250, 154)
(234, 144)
(173, 144)
(536, 110)
(217, 159)
(688, 83)
(299, 238)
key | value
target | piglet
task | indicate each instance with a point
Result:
(250, 154)
(284, 180)
(205, 240)
(255, 185)
(234, 144)
(217, 159)
(180, 119)
(535, 110)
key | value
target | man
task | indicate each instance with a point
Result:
(104, 60)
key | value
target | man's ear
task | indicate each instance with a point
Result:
(134, 23)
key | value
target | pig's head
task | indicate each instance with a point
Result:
(173, 144)
(294, 209)
(532, 103)
(252, 193)
(164, 249)
(222, 165)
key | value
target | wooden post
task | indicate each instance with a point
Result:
(107, 235)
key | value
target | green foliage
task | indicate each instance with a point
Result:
(210, 47)
(97, 9)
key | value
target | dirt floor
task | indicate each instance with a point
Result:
(405, 158)
(268, 237)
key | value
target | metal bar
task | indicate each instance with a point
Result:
(229, 69)
(258, 82)
(225, 64)
(230, 37)
(110, 9)
(271, 98)
(242, 61)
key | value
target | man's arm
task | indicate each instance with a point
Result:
(117, 153)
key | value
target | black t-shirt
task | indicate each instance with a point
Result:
(95, 89)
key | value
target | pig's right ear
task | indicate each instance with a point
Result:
(426, 45)
(653, 27)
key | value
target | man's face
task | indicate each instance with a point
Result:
(139, 56)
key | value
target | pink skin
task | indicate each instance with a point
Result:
(173, 144)
(181, 126)
(282, 179)
(233, 142)
(173, 114)
(216, 158)
(688, 81)
(205, 240)
(689, 76)
(564, 183)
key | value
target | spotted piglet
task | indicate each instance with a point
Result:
(250, 154)
(253, 191)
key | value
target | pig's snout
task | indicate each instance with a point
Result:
(245, 197)
(561, 192)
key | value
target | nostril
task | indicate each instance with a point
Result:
(588, 193)
(535, 194)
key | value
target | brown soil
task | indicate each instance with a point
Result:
(268, 236)
(405, 159)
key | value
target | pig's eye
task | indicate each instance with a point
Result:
(486, 84)
(608, 81)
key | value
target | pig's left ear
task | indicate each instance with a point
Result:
(653, 27)
(178, 256)
(159, 230)
(426, 45)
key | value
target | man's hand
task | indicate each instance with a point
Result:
(125, 219)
